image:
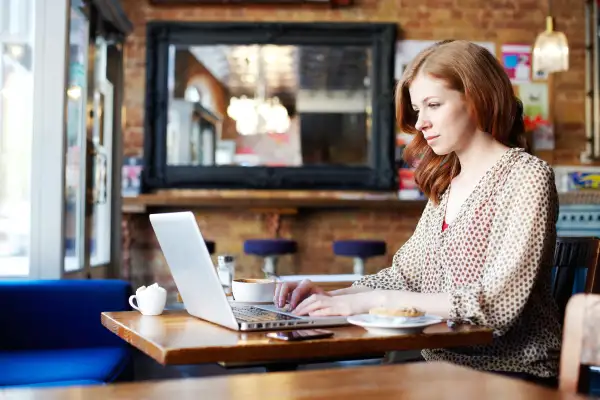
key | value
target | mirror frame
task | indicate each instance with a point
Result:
(378, 174)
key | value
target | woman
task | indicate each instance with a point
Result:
(482, 251)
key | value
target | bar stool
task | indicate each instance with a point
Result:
(270, 249)
(360, 250)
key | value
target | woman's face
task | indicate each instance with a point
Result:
(443, 115)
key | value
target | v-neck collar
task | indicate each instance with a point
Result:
(472, 196)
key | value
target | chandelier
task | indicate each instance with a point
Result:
(255, 116)
(551, 49)
(258, 115)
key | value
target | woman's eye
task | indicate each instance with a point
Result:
(434, 105)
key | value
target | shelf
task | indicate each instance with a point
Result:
(580, 197)
(266, 199)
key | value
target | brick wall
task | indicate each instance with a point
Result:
(313, 229)
(499, 21)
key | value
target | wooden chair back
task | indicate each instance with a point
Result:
(581, 343)
(571, 255)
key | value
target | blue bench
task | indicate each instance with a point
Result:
(51, 334)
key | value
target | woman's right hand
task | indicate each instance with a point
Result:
(295, 292)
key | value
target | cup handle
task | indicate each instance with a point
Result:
(131, 302)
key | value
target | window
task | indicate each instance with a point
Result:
(76, 125)
(16, 115)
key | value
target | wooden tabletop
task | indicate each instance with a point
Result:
(178, 338)
(418, 381)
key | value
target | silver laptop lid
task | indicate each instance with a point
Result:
(192, 268)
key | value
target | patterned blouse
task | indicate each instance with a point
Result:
(495, 261)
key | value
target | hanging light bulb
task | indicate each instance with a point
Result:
(258, 115)
(551, 50)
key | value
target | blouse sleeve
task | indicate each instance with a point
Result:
(521, 243)
(403, 274)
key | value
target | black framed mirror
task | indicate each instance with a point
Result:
(269, 106)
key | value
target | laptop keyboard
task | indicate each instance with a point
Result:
(254, 314)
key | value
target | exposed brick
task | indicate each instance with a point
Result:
(500, 21)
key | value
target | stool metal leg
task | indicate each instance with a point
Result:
(359, 266)
(270, 267)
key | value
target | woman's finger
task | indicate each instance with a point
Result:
(324, 312)
(276, 294)
(281, 296)
(311, 304)
(304, 303)
(301, 292)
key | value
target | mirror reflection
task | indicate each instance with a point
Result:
(269, 105)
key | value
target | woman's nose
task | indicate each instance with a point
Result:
(422, 123)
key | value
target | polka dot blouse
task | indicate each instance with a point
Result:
(495, 261)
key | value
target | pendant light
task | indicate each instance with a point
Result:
(551, 49)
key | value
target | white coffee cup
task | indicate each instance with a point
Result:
(253, 290)
(150, 300)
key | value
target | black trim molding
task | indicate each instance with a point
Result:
(378, 175)
(112, 12)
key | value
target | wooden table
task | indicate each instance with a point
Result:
(178, 338)
(418, 381)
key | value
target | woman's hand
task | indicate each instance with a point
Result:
(344, 305)
(353, 302)
(295, 292)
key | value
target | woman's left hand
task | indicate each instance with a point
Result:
(319, 305)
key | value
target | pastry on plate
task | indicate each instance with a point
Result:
(406, 312)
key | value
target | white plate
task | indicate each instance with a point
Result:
(387, 326)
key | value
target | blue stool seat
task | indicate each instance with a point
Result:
(359, 248)
(210, 245)
(269, 247)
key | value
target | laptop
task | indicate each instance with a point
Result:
(199, 286)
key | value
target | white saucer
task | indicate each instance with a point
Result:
(384, 326)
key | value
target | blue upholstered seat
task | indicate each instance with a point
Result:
(51, 334)
(359, 248)
(94, 365)
(269, 247)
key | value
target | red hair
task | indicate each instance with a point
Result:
(473, 71)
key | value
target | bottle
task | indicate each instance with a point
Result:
(225, 270)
